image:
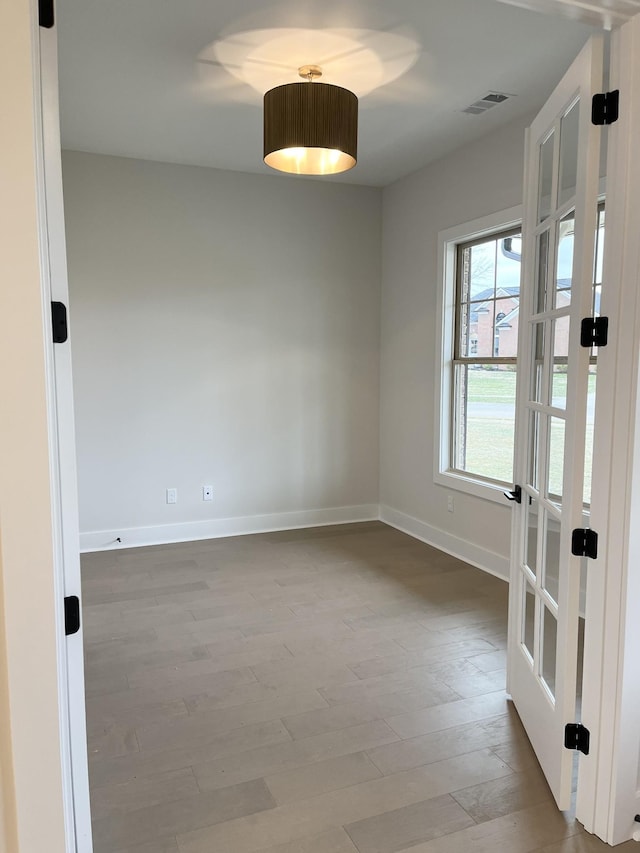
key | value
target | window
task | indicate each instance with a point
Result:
(487, 301)
(478, 311)
(478, 330)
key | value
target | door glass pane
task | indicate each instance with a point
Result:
(560, 359)
(534, 454)
(588, 450)
(537, 367)
(555, 471)
(528, 612)
(597, 270)
(552, 556)
(569, 130)
(549, 648)
(542, 272)
(564, 267)
(546, 177)
(531, 533)
(599, 254)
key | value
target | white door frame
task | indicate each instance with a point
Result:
(36, 786)
(608, 783)
(63, 443)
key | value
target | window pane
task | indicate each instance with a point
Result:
(505, 340)
(569, 154)
(489, 329)
(546, 177)
(487, 319)
(482, 270)
(486, 421)
(564, 269)
(509, 266)
(479, 323)
(468, 336)
(459, 449)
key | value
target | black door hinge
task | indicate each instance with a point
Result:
(605, 107)
(515, 495)
(577, 736)
(71, 615)
(46, 14)
(584, 543)
(594, 332)
(59, 322)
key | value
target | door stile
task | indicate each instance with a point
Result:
(586, 218)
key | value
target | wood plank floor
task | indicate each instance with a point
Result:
(318, 691)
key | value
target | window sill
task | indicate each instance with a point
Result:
(472, 486)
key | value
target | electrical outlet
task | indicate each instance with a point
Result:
(450, 503)
(207, 493)
(172, 496)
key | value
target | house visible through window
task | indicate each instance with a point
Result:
(485, 356)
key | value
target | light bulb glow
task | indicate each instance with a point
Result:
(310, 161)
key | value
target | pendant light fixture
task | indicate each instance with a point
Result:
(310, 128)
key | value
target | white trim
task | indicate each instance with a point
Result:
(61, 440)
(608, 797)
(471, 486)
(190, 531)
(39, 813)
(62, 451)
(447, 242)
(489, 561)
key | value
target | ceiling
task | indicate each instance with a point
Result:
(183, 81)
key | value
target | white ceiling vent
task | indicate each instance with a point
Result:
(492, 99)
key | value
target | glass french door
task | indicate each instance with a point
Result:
(560, 224)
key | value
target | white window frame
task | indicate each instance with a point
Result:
(448, 242)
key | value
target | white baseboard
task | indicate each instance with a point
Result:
(488, 561)
(190, 531)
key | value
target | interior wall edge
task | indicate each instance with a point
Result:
(191, 531)
(488, 561)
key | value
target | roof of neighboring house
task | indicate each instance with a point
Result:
(482, 300)
(500, 293)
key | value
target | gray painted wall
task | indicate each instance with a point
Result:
(225, 331)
